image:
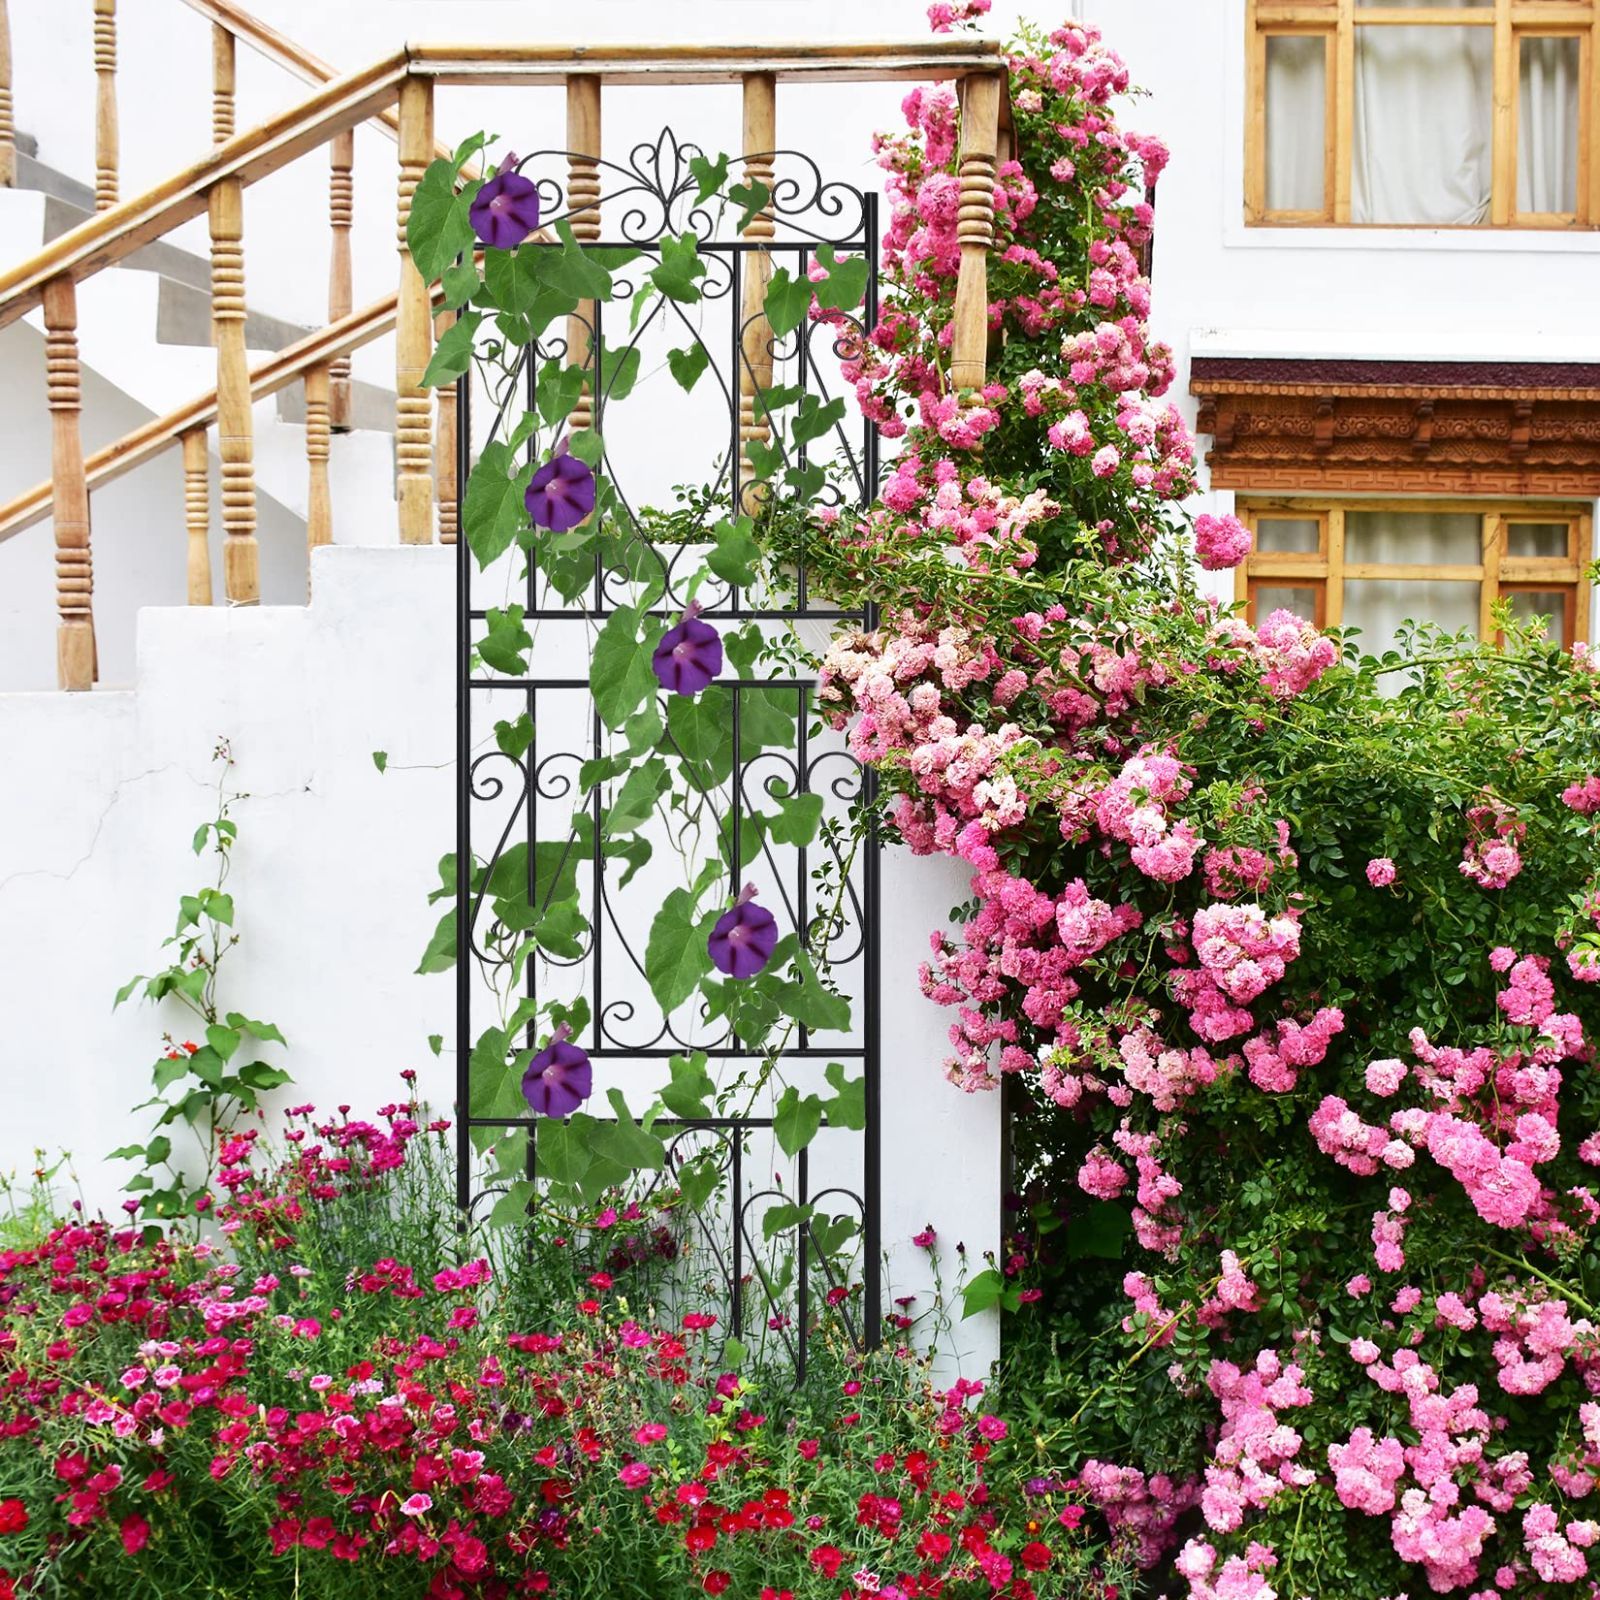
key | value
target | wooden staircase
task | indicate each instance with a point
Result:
(396, 94)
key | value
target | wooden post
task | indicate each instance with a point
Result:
(223, 83)
(75, 648)
(319, 506)
(235, 437)
(341, 213)
(8, 132)
(414, 324)
(105, 104)
(969, 331)
(755, 332)
(583, 202)
(444, 447)
(197, 514)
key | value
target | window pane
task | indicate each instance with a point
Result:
(1288, 535)
(1422, 137)
(1298, 598)
(1414, 538)
(1537, 541)
(1547, 125)
(1297, 65)
(1548, 604)
(1378, 606)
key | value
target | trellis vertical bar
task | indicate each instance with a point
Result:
(755, 342)
(341, 213)
(444, 447)
(224, 81)
(241, 580)
(8, 131)
(75, 646)
(464, 964)
(105, 104)
(319, 502)
(980, 132)
(583, 207)
(413, 404)
(197, 515)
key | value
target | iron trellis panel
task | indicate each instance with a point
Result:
(504, 803)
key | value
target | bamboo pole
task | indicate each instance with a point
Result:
(8, 132)
(583, 203)
(224, 81)
(197, 515)
(413, 404)
(755, 332)
(235, 431)
(75, 646)
(319, 503)
(341, 214)
(980, 129)
(444, 447)
(105, 104)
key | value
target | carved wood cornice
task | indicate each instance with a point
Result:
(1527, 428)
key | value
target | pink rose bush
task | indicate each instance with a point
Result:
(1284, 963)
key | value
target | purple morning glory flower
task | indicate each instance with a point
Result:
(561, 494)
(689, 655)
(506, 209)
(744, 938)
(559, 1079)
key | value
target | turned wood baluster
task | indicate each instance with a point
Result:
(755, 342)
(223, 84)
(197, 514)
(341, 213)
(583, 206)
(444, 446)
(235, 432)
(105, 104)
(319, 504)
(8, 132)
(413, 404)
(980, 128)
(75, 647)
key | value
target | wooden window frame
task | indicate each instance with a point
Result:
(1325, 570)
(1337, 20)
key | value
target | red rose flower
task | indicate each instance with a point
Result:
(13, 1516)
(1035, 1556)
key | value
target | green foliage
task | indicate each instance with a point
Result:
(201, 1089)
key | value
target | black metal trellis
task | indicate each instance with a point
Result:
(506, 804)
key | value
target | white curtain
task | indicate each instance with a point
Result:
(1296, 113)
(1423, 114)
(1378, 606)
(1547, 125)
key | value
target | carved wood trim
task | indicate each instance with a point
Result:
(1399, 427)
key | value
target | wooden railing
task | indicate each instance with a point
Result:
(397, 93)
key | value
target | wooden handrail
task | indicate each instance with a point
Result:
(284, 52)
(658, 64)
(112, 234)
(147, 441)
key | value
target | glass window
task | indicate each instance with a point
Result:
(1538, 541)
(1414, 538)
(1296, 112)
(1303, 599)
(1378, 607)
(1289, 535)
(1422, 137)
(1547, 124)
(1547, 605)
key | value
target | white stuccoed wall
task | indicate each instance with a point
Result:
(331, 874)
